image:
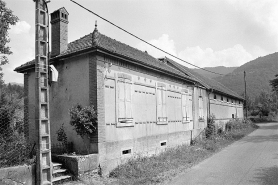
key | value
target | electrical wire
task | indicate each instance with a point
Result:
(143, 40)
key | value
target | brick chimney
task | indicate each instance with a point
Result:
(59, 31)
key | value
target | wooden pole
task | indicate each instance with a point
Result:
(42, 119)
(245, 94)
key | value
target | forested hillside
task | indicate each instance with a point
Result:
(218, 69)
(258, 74)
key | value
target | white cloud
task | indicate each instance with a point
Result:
(263, 12)
(234, 56)
(20, 27)
(22, 45)
(163, 42)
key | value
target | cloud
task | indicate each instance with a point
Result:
(23, 47)
(163, 42)
(234, 56)
(20, 27)
(264, 15)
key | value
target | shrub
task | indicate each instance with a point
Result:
(210, 131)
(84, 120)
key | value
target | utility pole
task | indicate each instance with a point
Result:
(42, 120)
(245, 94)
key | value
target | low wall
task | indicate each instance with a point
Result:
(118, 152)
(18, 175)
(77, 164)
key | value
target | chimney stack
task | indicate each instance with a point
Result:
(59, 31)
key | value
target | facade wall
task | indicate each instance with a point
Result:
(30, 101)
(225, 108)
(72, 88)
(137, 123)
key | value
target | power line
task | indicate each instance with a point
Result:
(142, 39)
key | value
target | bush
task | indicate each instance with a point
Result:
(210, 131)
(84, 120)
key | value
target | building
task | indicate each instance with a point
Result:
(144, 104)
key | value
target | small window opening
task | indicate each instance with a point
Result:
(221, 98)
(126, 151)
(214, 96)
(163, 143)
(227, 99)
(233, 116)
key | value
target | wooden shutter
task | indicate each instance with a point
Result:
(128, 105)
(159, 103)
(184, 107)
(121, 95)
(163, 93)
(189, 108)
(201, 113)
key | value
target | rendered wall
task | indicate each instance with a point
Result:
(71, 89)
(145, 136)
(30, 114)
(224, 110)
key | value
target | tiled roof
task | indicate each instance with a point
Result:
(206, 82)
(100, 41)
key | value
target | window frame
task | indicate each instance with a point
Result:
(161, 120)
(124, 121)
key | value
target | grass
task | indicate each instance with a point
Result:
(162, 168)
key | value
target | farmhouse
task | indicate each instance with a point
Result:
(144, 104)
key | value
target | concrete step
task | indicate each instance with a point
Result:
(46, 183)
(56, 166)
(61, 178)
(61, 170)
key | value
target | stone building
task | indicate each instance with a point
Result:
(144, 104)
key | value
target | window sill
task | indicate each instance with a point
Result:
(125, 122)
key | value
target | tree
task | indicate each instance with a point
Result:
(6, 20)
(274, 83)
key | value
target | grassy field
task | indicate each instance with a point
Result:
(159, 169)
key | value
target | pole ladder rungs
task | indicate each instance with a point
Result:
(44, 163)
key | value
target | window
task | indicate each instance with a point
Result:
(221, 98)
(201, 109)
(161, 104)
(124, 102)
(227, 99)
(186, 107)
(215, 96)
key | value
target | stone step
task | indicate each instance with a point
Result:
(61, 170)
(60, 178)
(46, 183)
(56, 166)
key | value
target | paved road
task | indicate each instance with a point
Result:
(252, 160)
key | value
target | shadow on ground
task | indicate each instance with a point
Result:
(266, 176)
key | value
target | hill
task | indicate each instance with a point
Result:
(218, 69)
(258, 74)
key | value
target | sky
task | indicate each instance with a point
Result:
(206, 33)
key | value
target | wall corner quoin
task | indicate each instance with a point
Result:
(96, 88)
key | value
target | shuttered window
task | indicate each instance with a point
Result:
(187, 106)
(124, 101)
(161, 105)
(201, 109)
